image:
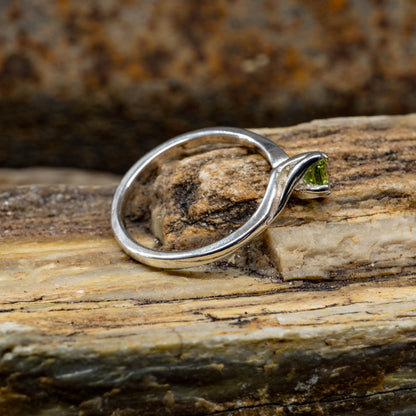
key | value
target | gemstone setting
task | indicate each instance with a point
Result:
(317, 174)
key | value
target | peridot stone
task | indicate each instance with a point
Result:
(317, 173)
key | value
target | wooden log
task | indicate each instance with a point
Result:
(54, 176)
(74, 92)
(84, 330)
(364, 229)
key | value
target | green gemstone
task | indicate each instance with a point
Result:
(317, 173)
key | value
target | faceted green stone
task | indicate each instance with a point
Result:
(317, 173)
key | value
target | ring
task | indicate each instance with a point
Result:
(305, 174)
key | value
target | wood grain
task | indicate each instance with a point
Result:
(365, 228)
(84, 330)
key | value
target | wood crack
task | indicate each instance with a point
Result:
(302, 406)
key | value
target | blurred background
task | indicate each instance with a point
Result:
(95, 84)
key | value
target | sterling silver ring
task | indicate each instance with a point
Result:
(305, 174)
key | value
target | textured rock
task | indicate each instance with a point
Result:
(55, 176)
(85, 330)
(203, 197)
(367, 224)
(95, 84)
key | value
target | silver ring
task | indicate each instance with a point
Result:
(288, 174)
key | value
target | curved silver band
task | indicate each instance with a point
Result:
(285, 176)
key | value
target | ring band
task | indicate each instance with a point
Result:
(286, 176)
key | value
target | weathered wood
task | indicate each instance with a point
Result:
(84, 330)
(364, 229)
(96, 84)
(54, 176)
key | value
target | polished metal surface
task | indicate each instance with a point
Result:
(285, 177)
